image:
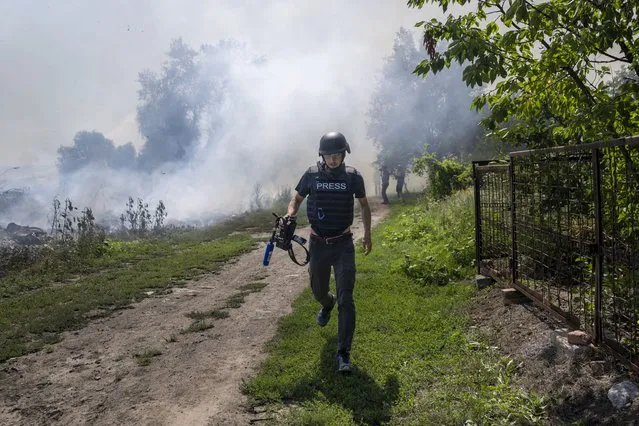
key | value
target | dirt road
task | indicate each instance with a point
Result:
(92, 376)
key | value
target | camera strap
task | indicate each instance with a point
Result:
(301, 241)
(283, 237)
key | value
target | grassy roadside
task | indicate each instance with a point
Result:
(416, 361)
(47, 298)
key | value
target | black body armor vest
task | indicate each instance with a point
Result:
(330, 202)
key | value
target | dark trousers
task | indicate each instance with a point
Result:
(341, 257)
(384, 196)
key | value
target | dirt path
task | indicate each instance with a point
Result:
(92, 375)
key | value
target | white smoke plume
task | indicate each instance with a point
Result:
(306, 68)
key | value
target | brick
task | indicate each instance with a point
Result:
(579, 337)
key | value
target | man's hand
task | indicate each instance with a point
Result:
(367, 244)
(366, 219)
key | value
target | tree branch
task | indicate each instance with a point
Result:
(628, 53)
(594, 61)
(572, 73)
(576, 34)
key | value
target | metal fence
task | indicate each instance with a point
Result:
(562, 226)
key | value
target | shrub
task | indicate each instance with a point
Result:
(446, 176)
(436, 239)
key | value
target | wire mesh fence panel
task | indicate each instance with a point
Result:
(493, 219)
(562, 225)
(620, 241)
(554, 230)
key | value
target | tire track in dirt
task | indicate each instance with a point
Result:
(92, 376)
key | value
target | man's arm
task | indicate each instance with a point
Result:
(366, 219)
(294, 204)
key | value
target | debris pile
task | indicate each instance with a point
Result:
(15, 234)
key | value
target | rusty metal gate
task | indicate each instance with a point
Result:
(562, 226)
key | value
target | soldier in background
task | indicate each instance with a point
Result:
(401, 175)
(385, 175)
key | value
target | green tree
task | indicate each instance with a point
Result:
(170, 107)
(407, 112)
(188, 95)
(88, 148)
(95, 149)
(546, 66)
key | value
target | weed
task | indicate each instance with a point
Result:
(144, 358)
(198, 315)
(253, 287)
(139, 219)
(435, 240)
(282, 196)
(120, 375)
(197, 326)
(257, 197)
(160, 215)
(236, 300)
(171, 339)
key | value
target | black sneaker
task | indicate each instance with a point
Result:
(344, 363)
(325, 314)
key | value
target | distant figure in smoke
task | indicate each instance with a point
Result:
(401, 175)
(385, 182)
(330, 187)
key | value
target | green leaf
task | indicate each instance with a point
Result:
(522, 12)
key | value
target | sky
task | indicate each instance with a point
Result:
(73, 65)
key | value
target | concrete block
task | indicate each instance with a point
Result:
(512, 296)
(482, 281)
(570, 351)
(622, 394)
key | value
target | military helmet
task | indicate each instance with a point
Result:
(332, 143)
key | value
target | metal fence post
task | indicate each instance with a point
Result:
(478, 241)
(513, 204)
(598, 255)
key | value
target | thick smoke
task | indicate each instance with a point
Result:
(408, 112)
(259, 100)
(242, 120)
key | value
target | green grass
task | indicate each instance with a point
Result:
(253, 287)
(33, 310)
(56, 294)
(236, 300)
(214, 313)
(143, 359)
(197, 326)
(414, 361)
(125, 253)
